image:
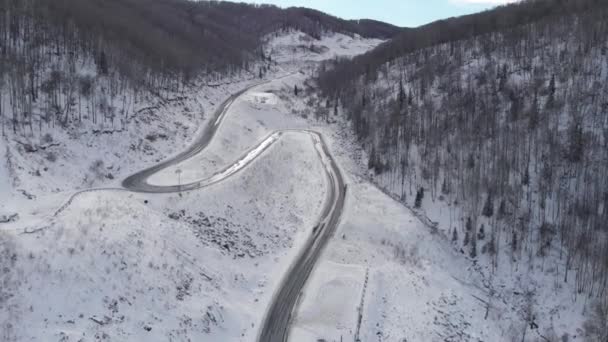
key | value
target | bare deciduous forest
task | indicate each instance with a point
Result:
(158, 46)
(500, 116)
(503, 115)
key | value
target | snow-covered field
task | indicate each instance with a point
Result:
(330, 305)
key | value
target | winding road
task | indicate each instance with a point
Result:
(139, 181)
(276, 324)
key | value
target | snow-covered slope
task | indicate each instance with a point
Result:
(501, 142)
(118, 266)
(297, 47)
(411, 281)
(197, 266)
(203, 265)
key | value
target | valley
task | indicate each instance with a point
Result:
(304, 186)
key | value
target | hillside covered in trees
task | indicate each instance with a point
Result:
(501, 120)
(121, 81)
(167, 35)
(54, 52)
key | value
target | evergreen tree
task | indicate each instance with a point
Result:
(454, 235)
(467, 233)
(371, 162)
(552, 87)
(473, 251)
(445, 188)
(481, 235)
(419, 197)
(402, 95)
(488, 208)
(102, 64)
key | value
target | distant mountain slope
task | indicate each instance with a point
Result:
(314, 22)
(376, 29)
(69, 61)
(172, 35)
(496, 125)
(455, 29)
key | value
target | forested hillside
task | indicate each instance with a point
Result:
(56, 54)
(502, 118)
(170, 35)
(93, 91)
(451, 30)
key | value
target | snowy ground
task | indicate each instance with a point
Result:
(417, 290)
(295, 47)
(202, 265)
(118, 266)
(329, 306)
(417, 286)
(252, 118)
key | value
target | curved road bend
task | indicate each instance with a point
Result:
(276, 323)
(138, 182)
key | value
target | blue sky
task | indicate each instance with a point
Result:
(409, 13)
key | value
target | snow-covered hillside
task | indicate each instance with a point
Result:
(204, 264)
(119, 266)
(499, 141)
(410, 280)
(297, 47)
(53, 159)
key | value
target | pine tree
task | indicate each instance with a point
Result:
(552, 87)
(534, 118)
(371, 162)
(576, 146)
(401, 94)
(419, 197)
(102, 64)
(454, 235)
(473, 252)
(488, 208)
(445, 188)
(502, 210)
(482, 233)
(467, 233)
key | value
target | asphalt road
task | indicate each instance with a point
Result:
(138, 182)
(277, 320)
(276, 324)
